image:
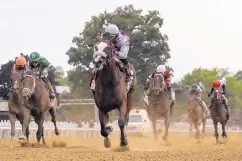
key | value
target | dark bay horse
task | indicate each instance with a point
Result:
(219, 114)
(36, 100)
(110, 90)
(15, 104)
(159, 104)
(195, 114)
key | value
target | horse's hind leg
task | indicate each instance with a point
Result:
(53, 119)
(215, 124)
(105, 131)
(12, 118)
(129, 106)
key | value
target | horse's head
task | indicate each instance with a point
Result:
(217, 95)
(192, 94)
(29, 84)
(158, 84)
(103, 53)
(16, 78)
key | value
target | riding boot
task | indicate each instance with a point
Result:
(52, 92)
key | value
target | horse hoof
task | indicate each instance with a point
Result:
(164, 138)
(22, 137)
(57, 132)
(124, 143)
(107, 142)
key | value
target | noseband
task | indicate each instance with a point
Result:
(101, 54)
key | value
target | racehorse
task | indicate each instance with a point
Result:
(15, 104)
(159, 104)
(196, 115)
(219, 114)
(110, 90)
(37, 102)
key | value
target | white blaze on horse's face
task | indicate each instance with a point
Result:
(99, 52)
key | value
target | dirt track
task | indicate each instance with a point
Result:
(140, 149)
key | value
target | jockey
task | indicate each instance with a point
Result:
(221, 86)
(42, 64)
(20, 64)
(121, 42)
(198, 91)
(167, 77)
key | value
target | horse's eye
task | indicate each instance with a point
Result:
(11, 80)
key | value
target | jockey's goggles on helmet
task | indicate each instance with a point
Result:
(106, 36)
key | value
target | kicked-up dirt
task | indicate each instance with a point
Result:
(181, 148)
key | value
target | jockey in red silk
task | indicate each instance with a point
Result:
(220, 85)
(122, 43)
(167, 76)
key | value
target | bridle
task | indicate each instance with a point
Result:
(100, 54)
(28, 90)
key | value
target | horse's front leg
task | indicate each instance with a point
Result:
(12, 118)
(167, 125)
(39, 119)
(25, 125)
(215, 124)
(27, 133)
(130, 98)
(121, 124)
(198, 126)
(154, 128)
(105, 131)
